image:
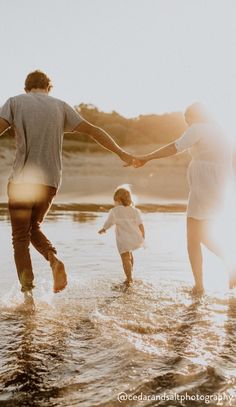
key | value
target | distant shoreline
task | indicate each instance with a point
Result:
(91, 178)
(93, 207)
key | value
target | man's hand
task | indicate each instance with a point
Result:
(127, 158)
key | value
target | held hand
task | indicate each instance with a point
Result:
(101, 231)
(136, 162)
(127, 158)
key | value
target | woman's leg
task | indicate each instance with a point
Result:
(211, 243)
(209, 240)
(194, 227)
(127, 261)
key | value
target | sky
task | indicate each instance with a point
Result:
(132, 56)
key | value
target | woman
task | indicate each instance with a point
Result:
(208, 175)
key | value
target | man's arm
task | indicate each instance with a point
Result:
(101, 137)
(4, 125)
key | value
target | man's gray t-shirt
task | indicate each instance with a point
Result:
(40, 121)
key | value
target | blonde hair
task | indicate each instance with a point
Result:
(122, 194)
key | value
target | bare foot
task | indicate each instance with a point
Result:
(28, 305)
(197, 290)
(59, 276)
(58, 272)
(128, 282)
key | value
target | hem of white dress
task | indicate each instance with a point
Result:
(131, 249)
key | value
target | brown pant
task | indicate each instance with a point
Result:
(28, 205)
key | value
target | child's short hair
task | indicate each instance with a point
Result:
(123, 195)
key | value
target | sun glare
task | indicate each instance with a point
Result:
(224, 228)
(223, 231)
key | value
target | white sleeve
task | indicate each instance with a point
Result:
(110, 220)
(138, 217)
(188, 139)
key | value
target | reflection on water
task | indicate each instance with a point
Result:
(96, 339)
(83, 216)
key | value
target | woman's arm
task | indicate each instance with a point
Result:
(166, 151)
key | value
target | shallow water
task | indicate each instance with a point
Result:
(95, 340)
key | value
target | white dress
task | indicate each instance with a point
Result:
(209, 171)
(127, 220)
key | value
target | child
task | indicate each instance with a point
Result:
(129, 228)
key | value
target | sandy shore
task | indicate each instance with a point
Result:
(91, 177)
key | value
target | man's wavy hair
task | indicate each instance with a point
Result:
(37, 80)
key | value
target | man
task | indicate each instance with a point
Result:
(39, 121)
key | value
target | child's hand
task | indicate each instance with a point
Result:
(101, 231)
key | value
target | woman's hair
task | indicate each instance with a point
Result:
(198, 112)
(37, 80)
(123, 195)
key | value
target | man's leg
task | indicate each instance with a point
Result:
(194, 251)
(44, 197)
(20, 215)
(43, 200)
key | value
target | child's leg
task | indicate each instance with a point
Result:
(127, 261)
(132, 259)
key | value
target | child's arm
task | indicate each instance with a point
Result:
(142, 230)
(109, 222)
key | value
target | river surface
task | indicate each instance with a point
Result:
(153, 344)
